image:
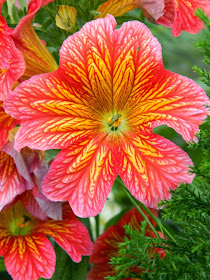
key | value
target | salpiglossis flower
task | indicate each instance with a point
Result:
(107, 245)
(22, 53)
(180, 15)
(28, 254)
(99, 108)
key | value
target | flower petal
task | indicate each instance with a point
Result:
(169, 13)
(180, 15)
(82, 174)
(12, 64)
(11, 182)
(118, 8)
(70, 234)
(6, 123)
(152, 166)
(51, 113)
(185, 19)
(37, 57)
(171, 99)
(30, 257)
(88, 66)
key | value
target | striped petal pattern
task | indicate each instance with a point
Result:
(99, 107)
(28, 254)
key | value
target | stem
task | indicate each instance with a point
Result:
(162, 228)
(97, 225)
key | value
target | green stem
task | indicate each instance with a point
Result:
(97, 225)
(162, 228)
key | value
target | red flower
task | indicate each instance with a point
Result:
(22, 54)
(180, 15)
(106, 245)
(176, 14)
(28, 254)
(99, 107)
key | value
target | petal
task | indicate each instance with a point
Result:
(88, 66)
(82, 174)
(11, 182)
(136, 61)
(12, 65)
(30, 257)
(30, 204)
(6, 123)
(66, 17)
(118, 8)
(37, 57)
(169, 13)
(70, 234)
(51, 113)
(186, 20)
(171, 99)
(152, 166)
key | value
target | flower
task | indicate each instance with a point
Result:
(28, 254)
(106, 245)
(21, 172)
(99, 108)
(176, 14)
(180, 15)
(22, 53)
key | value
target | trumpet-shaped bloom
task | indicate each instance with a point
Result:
(106, 245)
(22, 53)
(99, 108)
(28, 254)
(180, 15)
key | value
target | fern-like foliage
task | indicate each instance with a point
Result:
(186, 216)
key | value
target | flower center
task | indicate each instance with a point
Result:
(115, 121)
(21, 226)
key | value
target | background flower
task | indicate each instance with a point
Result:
(28, 254)
(107, 245)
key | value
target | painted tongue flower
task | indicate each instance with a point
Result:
(28, 254)
(106, 245)
(99, 107)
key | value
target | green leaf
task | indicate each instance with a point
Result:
(66, 269)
